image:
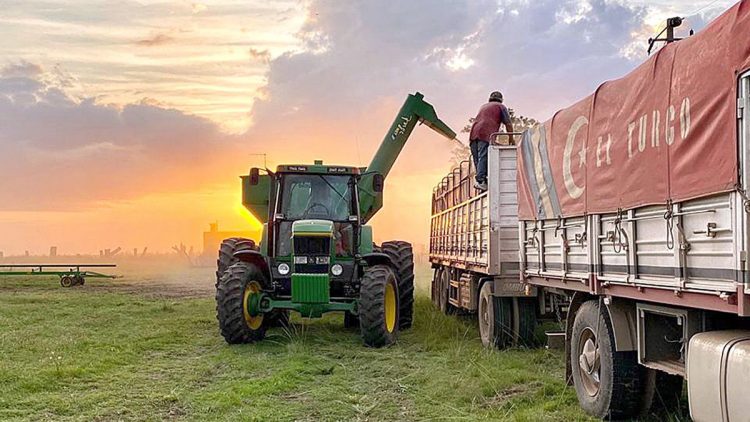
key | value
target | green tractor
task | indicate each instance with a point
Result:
(316, 254)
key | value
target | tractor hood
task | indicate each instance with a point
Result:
(312, 228)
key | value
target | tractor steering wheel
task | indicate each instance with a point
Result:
(315, 205)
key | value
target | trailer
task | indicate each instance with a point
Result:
(474, 251)
(634, 222)
(70, 274)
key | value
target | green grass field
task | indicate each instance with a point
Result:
(140, 349)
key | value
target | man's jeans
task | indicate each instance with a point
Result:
(479, 155)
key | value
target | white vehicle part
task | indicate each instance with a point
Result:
(718, 370)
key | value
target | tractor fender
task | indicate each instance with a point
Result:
(253, 257)
(376, 258)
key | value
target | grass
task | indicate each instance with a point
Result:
(98, 353)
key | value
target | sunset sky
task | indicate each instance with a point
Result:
(127, 123)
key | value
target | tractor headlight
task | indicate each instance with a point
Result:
(337, 269)
(283, 268)
(300, 260)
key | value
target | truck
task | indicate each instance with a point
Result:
(316, 253)
(632, 223)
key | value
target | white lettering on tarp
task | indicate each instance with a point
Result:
(607, 146)
(685, 118)
(655, 117)
(401, 128)
(670, 128)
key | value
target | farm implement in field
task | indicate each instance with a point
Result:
(70, 274)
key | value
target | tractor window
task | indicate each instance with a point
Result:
(316, 196)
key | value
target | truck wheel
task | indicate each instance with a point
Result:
(435, 287)
(486, 316)
(607, 382)
(378, 306)
(527, 321)
(661, 392)
(240, 286)
(402, 255)
(444, 292)
(503, 327)
(226, 254)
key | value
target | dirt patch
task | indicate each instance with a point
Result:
(504, 396)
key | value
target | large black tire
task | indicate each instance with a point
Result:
(378, 306)
(503, 327)
(235, 325)
(435, 287)
(402, 255)
(486, 315)
(527, 321)
(226, 254)
(444, 292)
(608, 383)
(661, 392)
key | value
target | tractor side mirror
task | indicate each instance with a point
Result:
(254, 176)
(377, 182)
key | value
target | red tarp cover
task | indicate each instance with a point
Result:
(666, 131)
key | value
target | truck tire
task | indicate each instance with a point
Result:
(378, 306)
(661, 392)
(486, 316)
(226, 254)
(527, 322)
(435, 287)
(402, 255)
(238, 283)
(444, 292)
(503, 309)
(608, 383)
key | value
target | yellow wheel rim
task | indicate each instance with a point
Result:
(254, 322)
(390, 307)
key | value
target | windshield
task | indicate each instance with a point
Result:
(316, 196)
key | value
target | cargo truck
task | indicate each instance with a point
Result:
(632, 221)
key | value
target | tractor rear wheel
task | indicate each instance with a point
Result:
(240, 288)
(226, 254)
(378, 306)
(402, 255)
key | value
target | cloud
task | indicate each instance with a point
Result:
(154, 40)
(59, 151)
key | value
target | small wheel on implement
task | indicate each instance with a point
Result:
(78, 280)
(378, 306)
(238, 297)
(66, 280)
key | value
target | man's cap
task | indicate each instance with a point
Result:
(496, 96)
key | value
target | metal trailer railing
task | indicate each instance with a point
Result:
(74, 275)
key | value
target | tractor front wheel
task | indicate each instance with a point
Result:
(237, 299)
(378, 306)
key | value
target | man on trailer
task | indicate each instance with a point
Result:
(491, 115)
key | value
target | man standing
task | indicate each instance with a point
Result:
(487, 122)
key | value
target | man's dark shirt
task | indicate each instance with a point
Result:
(488, 121)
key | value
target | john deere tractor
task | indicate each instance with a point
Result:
(316, 254)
